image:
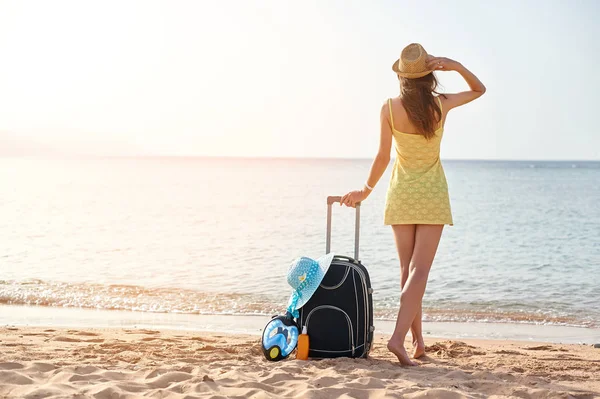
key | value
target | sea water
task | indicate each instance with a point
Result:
(215, 236)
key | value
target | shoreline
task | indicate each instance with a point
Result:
(41, 316)
(129, 363)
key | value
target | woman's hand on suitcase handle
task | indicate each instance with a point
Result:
(353, 197)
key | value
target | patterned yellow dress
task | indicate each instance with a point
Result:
(418, 191)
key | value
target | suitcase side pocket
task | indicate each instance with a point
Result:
(329, 325)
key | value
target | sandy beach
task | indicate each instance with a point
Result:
(37, 362)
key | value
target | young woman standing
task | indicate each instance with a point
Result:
(417, 205)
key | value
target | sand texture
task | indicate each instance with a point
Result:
(103, 364)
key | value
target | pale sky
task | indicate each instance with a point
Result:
(282, 78)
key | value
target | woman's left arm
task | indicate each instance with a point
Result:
(379, 164)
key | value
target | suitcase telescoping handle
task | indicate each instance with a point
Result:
(330, 201)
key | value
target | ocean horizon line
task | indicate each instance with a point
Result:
(281, 158)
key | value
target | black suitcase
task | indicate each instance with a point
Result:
(339, 315)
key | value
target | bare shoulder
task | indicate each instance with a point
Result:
(394, 102)
(443, 99)
(385, 109)
(386, 104)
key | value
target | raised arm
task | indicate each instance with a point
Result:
(380, 163)
(457, 99)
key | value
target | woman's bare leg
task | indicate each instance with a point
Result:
(416, 330)
(404, 235)
(427, 238)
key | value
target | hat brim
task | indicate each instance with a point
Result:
(408, 75)
(324, 263)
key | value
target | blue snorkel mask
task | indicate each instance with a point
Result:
(280, 337)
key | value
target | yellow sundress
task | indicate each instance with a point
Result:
(418, 191)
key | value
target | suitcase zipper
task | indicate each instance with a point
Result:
(348, 320)
(339, 284)
(366, 293)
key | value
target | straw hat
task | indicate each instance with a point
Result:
(412, 63)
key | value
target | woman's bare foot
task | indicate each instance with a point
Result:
(400, 352)
(418, 349)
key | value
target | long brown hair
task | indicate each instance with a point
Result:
(421, 107)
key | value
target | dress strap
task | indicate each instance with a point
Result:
(391, 116)
(441, 111)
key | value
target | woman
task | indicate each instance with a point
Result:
(417, 205)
